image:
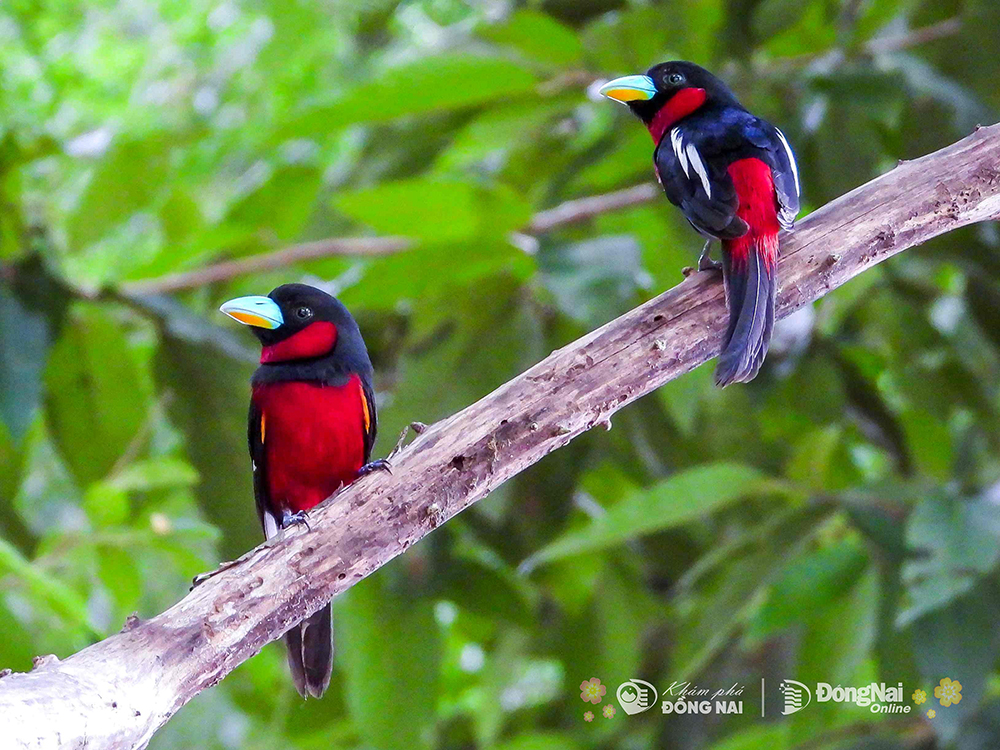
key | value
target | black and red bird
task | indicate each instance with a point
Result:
(311, 430)
(734, 177)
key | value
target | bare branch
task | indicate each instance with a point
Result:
(575, 211)
(914, 38)
(831, 58)
(358, 246)
(116, 693)
(571, 212)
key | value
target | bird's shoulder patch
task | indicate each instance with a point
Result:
(365, 410)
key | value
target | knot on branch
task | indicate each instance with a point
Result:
(44, 660)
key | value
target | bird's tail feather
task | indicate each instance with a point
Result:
(310, 653)
(750, 291)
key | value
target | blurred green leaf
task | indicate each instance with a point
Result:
(24, 343)
(593, 281)
(154, 473)
(438, 210)
(807, 584)
(682, 397)
(630, 41)
(680, 499)
(16, 651)
(120, 576)
(539, 741)
(95, 401)
(105, 504)
(954, 541)
(280, 206)
(36, 583)
(731, 586)
(49, 502)
(537, 36)
(389, 650)
(210, 396)
(774, 738)
(835, 644)
(432, 84)
(126, 179)
(929, 441)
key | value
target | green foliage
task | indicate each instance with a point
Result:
(836, 520)
(682, 498)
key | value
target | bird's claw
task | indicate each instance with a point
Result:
(705, 262)
(295, 519)
(379, 464)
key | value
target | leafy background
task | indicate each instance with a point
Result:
(837, 520)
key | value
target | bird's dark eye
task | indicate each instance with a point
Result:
(675, 78)
(303, 312)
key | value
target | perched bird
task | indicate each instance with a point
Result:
(734, 177)
(311, 430)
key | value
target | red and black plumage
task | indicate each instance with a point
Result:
(311, 429)
(734, 177)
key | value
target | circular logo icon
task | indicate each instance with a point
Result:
(636, 696)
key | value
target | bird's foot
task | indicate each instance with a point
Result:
(294, 519)
(705, 262)
(379, 464)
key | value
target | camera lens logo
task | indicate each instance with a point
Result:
(635, 696)
(794, 693)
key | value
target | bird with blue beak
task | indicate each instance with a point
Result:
(311, 430)
(734, 177)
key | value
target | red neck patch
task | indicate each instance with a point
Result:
(315, 340)
(681, 104)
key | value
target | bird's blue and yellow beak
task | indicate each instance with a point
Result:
(260, 312)
(629, 89)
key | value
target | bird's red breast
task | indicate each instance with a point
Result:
(313, 437)
(754, 185)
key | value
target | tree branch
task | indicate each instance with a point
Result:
(914, 38)
(116, 693)
(570, 212)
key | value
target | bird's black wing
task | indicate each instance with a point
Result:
(777, 153)
(691, 166)
(256, 433)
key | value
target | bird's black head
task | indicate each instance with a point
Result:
(668, 92)
(299, 323)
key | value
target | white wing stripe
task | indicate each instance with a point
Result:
(678, 147)
(699, 166)
(791, 160)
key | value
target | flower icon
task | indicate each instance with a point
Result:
(948, 692)
(931, 714)
(591, 691)
(609, 711)
(919, 696)
(589, 716)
